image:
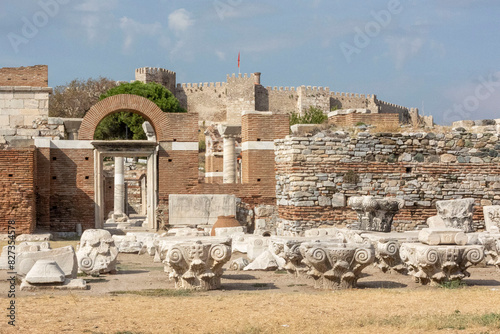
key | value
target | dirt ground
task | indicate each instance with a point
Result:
(141, 299)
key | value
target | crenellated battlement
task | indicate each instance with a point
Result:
(153, 70)
(202, 85)
(280, 89)
(353, 95)
(383, 103)
(240, 76)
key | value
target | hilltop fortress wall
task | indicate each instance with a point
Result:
(223, 102)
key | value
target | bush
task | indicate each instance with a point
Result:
(312, 116)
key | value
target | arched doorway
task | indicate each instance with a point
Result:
(131, 148)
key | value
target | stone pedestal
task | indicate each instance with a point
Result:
(375, 214)
(335, 265)
(440, 263)
(97, 252)
(457, 213)
(198, 264)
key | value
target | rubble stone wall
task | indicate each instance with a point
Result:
(316, 175)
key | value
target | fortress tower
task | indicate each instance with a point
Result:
(159, 75)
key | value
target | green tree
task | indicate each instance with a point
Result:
(126, 125)
(312, 116)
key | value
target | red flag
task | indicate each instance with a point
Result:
(238, 60)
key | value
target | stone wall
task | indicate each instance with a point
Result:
(224, 102)
(316, 175)
(208, 100)
(240, 96)
(17, 189)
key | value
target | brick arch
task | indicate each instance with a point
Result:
(126, 102)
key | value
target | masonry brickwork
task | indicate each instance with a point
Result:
(317, 174)
(17, 189)
(353, 119)
(31, 76)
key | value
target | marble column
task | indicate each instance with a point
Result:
(229, 160)
(119, 187)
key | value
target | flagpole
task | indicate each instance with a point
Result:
(239, 72)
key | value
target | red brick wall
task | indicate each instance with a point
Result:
(259, 127)
(184, 126)
(43, 188)
(33, 76)
(109, 194)
(71, 189)
(17, 189)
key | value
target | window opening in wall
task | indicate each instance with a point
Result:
(409, 169)
(54, 158)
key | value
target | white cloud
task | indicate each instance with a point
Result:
(403, 48)
(476, 98)
(180, 20)
(97, 5)
(133, 30)
(221, 55)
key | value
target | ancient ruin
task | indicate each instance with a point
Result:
(321, 202)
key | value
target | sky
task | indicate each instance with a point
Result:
(441, 56)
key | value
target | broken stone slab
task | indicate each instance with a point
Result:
(442, 236)
(238, 264)
(34, 237)
(266, 261)
(457, 213)
(45, 271)
(97, 253)
(375, 214)
(491, 243)
(256, 245)
(32, 246)
(239, 243)
(319, 232)
(435, 222)
(492, 218)
(199, 209)
(149, 241)
(336, 265)
(186, 232)
(68, 284)
(127, 244)
(229, 231)
(198, 264)
(64, 256)
(441, 263)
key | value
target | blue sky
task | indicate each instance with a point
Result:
(441, 56)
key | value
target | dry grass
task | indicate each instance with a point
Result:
(357, 311)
